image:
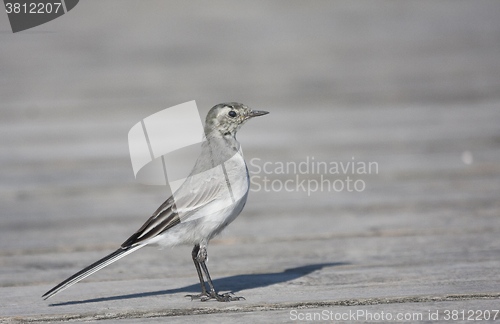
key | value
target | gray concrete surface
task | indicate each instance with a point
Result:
(413, 86)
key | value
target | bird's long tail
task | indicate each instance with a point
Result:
(94, 267)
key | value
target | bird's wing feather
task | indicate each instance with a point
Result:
(180, 207)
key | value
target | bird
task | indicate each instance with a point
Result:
(210, 198)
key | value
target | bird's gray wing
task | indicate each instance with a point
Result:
(185, 204)
(163, 218)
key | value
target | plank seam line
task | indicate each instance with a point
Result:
(250, 308)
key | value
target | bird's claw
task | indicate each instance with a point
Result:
(202, 296)
(226, 297)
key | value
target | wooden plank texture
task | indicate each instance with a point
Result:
(412, 86)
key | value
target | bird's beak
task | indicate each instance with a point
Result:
(255, 113)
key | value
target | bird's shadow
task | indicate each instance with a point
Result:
(232, 283)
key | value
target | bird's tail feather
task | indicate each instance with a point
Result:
(94, 267)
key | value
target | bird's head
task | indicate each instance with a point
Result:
(226, 118)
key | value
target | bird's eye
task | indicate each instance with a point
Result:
(232, 113)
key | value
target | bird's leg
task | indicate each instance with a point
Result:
(202, 256)
(204, 293)
(194, 254)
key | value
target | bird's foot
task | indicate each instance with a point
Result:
(203, 296)
(226, 297)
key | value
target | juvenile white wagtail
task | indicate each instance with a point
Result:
(210, 198)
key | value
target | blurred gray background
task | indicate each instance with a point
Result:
(411, 85)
